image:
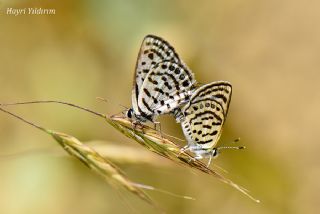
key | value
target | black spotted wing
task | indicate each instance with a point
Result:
(167, 86)
(205, 114)
(153, 50)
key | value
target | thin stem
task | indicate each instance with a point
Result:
(23, 120)
(54, 101)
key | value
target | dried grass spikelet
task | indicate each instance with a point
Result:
(93, 160)
(97, 163)
(153, 141)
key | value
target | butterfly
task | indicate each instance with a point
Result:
(203, 117)
(162, 82)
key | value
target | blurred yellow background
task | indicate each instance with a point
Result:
(268, 50)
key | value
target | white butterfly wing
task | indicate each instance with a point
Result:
(165, 88)
(221, 91)
(152, 51)
(206, 113)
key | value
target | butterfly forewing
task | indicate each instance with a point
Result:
(152, 51)
(166, 87)
(205, 114)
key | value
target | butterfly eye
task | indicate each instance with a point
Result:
(214, 153)
(129, 113)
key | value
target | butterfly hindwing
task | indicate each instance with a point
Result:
(166, 87)
(221, 91)
(206, 113)
(203, 122)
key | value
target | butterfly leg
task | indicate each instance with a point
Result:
(184, 149)
(155, 127)
(209, 161)
(135, 124)
(197, 157)
(197, 153)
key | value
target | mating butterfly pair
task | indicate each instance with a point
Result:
(164, 85)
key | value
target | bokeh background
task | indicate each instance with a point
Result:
(268, 50)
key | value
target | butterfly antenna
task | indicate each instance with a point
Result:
(236, 140)
(125, 108)
(105, 100)
(230, 147)
(102, 99)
